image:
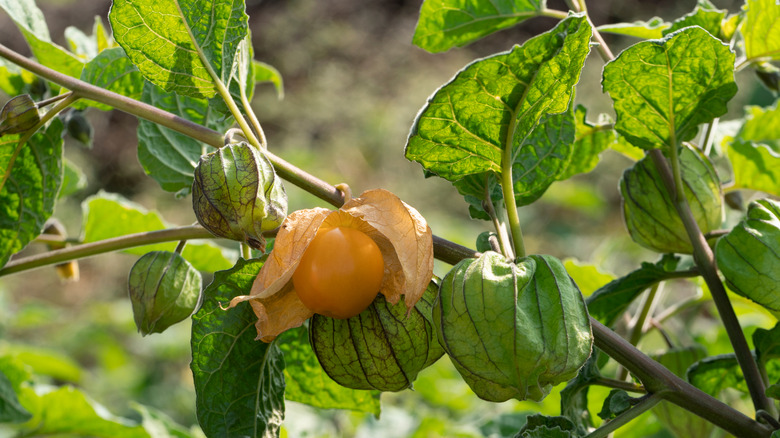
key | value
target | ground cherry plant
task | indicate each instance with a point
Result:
(334, 307)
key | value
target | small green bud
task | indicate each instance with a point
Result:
(18, 115)
(237, 195)
(79, 127)
(381, 348)
(512, 330)
(164, 290)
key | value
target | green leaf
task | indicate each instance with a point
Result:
(11, 81)
(28, 194)
(715, 373)
(588, 277)
(456, 23)
(80, 44)
(761, 30)
(754, 152)
(29, 19)
(662, 90)
(308, 383)
(767, 343)
(267, 73)
(45, 362)
(10, 409)
(756, 166)
(496, 102)
(159, 425)
(574, 397)
(612, 299)
(682, 422)
(647, 30)
(66, 411)
(704, 15)
(169, 156)
(108, 215)
(749, 255)
(113, 70)
(589, 141)
(238, 381)
(540, 426)
(537, 163)
(171, 42)
(627, 149)
(617, 402)
(773, 391)
(73, 179)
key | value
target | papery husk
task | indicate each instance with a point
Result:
(403, 237)
(413, 257)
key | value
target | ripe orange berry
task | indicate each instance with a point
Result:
(340, 272)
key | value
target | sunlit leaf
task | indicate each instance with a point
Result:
(540, 426)
(612, 299)
(108, 216)
(10, 409)
(114, 71)
(172, 41)
(589, 141)
(756, 166)
(647, 30)
(73, 179)
(456, 23)
(538, 162)
(11, 81)
(29, 19)
(589, 278)
(749, 255)
(495, 103)
(268, 73)
(80, 44)
(761, 30)
(716, 373)
(45, 362)
(239, 381)
(308, 383)
(662, 90)
(159, 425)
(28, 194)
(168, 156)
(66, 411)
(754, 151)
(705, 15)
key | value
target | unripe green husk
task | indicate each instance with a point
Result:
(18, 115)
(237, 195)
(649, 211)
(381, 348)
(513, 330)
(164, 290)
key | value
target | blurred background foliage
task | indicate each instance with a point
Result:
(353, 83)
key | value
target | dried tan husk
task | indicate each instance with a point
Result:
(403, 237)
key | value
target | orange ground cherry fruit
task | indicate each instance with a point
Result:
(335, 262)
(340, 272)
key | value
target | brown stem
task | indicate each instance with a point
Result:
(705, 260)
